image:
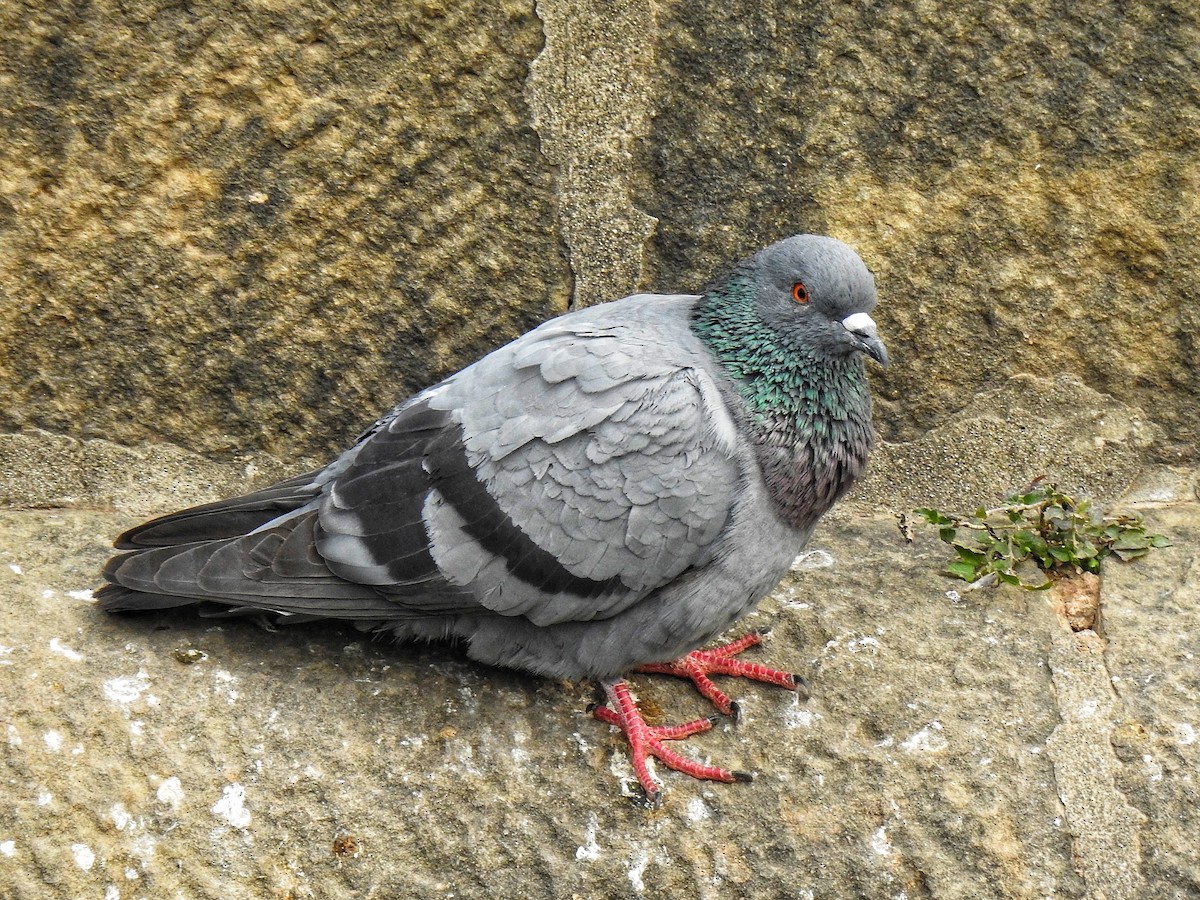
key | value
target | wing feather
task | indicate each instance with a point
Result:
(563, 478)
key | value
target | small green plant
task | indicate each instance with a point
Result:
(1060, 533)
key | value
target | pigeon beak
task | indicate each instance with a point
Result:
(865, 336)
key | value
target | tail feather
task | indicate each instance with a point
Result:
(116, 598)
(275, 570)
(222, 519)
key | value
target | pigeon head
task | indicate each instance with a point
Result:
(818, 292)
(790, 326)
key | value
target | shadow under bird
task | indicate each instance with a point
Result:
(603, 495)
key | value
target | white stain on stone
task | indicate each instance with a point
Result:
(1185, 733)
(880, 842)
(813, 559)
(170, 792)
(16, 570)
(14, 736)
(232, 806)
(111, 893)
(637, 868)
(864, 643)
(57, 646)
(141, 845)
(53, 740)
(120, 816)
(85, 595)
(520, 755)
(125, 689)
(928, 740)
(44, 798)
(5, 653)
(84, 857)
(797, 715)
(8, 848)
(1153, 770)
(226, 677)
(622, 770)
(698, 810)
(589, 851)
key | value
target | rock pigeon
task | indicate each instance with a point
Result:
(606, 493)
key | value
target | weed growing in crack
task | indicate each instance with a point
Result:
(1062, 534)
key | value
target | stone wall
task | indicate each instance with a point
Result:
(251, 227)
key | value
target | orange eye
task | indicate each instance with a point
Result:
(799, 292)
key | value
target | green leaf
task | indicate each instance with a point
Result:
(963, 569)
(970, 554)
(932, 516)
(1132, 540)
(1055, 529)
(1126, 555)
(1031, 542)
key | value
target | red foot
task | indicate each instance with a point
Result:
(699, 664)
(646, 740)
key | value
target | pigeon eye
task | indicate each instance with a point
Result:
(799, 292)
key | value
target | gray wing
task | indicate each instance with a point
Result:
(561, 478)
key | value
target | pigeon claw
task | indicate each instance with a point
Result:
(802, 687)
(699, 664)
(646, 741)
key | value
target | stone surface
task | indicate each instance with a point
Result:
(956, 745)
(54, 471)
(1010, 171)
(591, 99)
(252, 226)
(1153, 648)
(1003, 438)
(247, 228)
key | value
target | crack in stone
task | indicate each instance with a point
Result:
(591, 100)
(1103, 825)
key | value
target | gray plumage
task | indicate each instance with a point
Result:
(614, 488)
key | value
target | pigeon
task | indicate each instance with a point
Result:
(603, 495)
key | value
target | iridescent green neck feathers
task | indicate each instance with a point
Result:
(807, 410)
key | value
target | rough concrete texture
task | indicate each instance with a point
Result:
(42, 470)
(248, 227)
(956, 745)
(1005, 437)
(1021, 177)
